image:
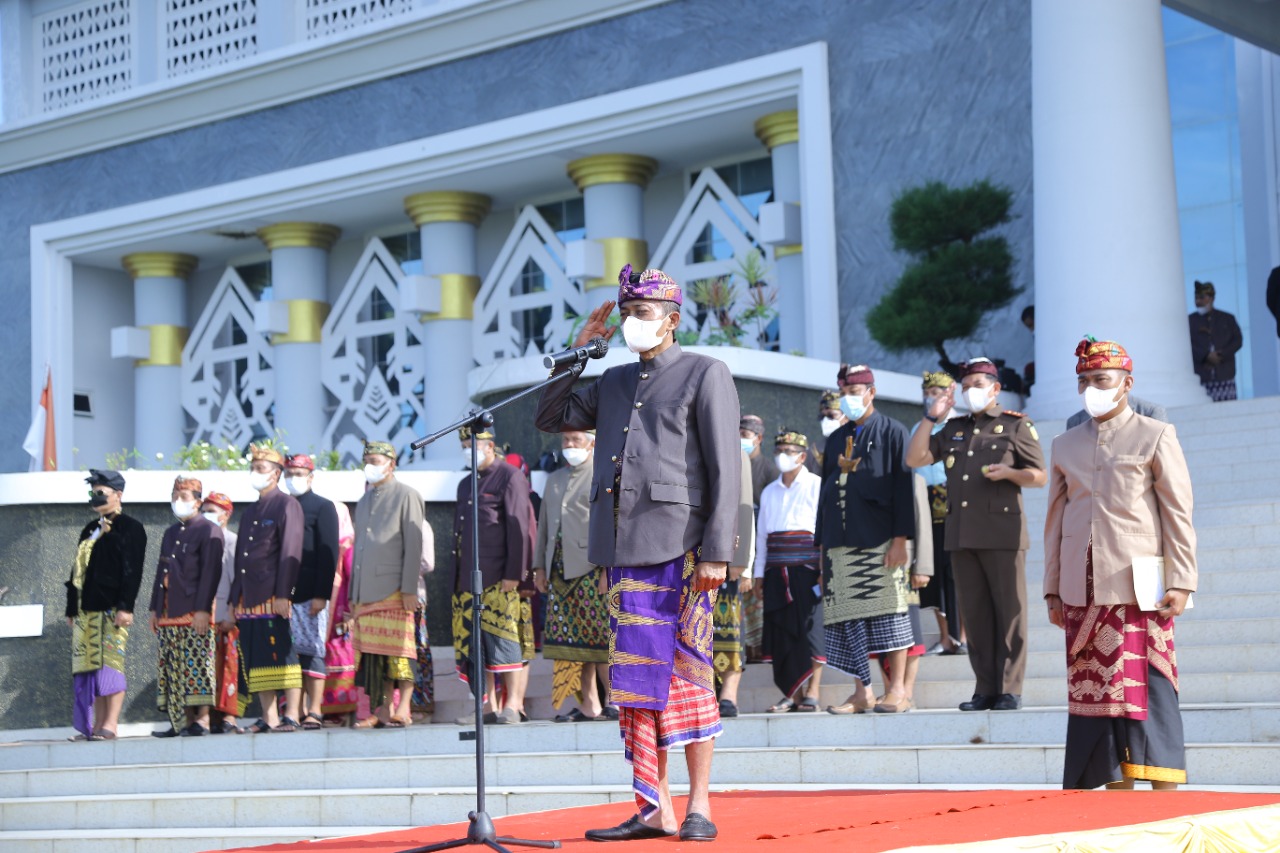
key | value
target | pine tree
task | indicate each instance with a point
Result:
(955, 276)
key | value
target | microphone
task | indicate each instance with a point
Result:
(594, 348)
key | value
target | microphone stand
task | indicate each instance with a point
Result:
(481, 830)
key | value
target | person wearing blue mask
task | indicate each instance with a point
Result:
(866, 514)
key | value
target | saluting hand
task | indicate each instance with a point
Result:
(942, 405)
(596, 325)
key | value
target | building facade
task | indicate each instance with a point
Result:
(338, 219)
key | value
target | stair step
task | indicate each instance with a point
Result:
(609, 778)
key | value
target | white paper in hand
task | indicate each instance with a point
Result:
(1148, 583)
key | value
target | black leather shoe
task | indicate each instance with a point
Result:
(170, 732)
(697, 828)
(1007, 702)
(631, 829)
(728, 709)
(979, 703)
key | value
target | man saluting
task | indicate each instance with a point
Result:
(664, 516)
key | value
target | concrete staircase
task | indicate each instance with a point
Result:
(141, 794)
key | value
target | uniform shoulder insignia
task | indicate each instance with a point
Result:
(1014, 414)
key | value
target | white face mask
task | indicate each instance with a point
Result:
(213, 517)
(575, 456)
(377, 473)
(1098, 402)
(786, 462)
(642, 335)
(853, 407)
(829, 425)
(296, 485)
(184, 509)
(977, 399)
(1203, 310)
(259, 481)
(748, 446)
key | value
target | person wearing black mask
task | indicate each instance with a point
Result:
(100, 597)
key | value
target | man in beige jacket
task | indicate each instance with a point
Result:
(1119, 502)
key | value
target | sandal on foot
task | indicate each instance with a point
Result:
(369, 723)
(808, 705)
(312, 722)
(781, 707)
(259, 728)
(226, 727)
(287, 724)
(884, 706)
(610, 712)
(575, 716)
(102, 734)
(399, 723)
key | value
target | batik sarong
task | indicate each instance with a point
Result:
(793, 631)
(661, 672)
(267, 659)
(577, 626)
(499, 631)
(97, 652)
(528, 637)
(186, 676)
(424, 680)
(308, 633)
(726, 621)
(1122, 695)
(385, 641)
(752, 618)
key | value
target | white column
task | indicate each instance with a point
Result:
(612, 187)
(1258, 85)
(448, 221)
(300, 281)
(780, 133)
(160, 309)
(1108, 258)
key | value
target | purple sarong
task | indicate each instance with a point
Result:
(87, 687)
(658, 627)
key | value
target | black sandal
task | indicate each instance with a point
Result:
(287, 724)
(312, 722)
(575, 716)
(807, 705)
(259, 728)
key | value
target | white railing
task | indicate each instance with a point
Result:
(85, 52)
(200, 34)
(95, 48)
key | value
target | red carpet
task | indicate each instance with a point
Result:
(755, 821)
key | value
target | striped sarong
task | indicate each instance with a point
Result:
(691, 715)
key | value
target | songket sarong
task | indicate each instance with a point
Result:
(660, 666)
(1220, 391)
(308, 633)
(1122, 696)
(424, 680)
(577, 627)
(859, 588)
(385, 641)
(726, 620)
(528, 637)
(499, 631)
(340, 696)
(793, 631)
(186, 675)
(97, 652)
(227, 665)
(752, 618)
(267, 659)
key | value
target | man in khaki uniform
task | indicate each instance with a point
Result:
(1119, 498)
(990, 456)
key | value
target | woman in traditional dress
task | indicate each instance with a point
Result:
(100, 597)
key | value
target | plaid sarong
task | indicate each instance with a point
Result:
(691, 715)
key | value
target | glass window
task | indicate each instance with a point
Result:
(406, 248)
(568, 218)
(752, 182)
(257, 277)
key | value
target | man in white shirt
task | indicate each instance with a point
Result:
(789, 565)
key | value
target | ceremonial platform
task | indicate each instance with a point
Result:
(936, 774)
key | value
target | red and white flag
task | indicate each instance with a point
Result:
(40, 443)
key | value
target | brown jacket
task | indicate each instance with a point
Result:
(1122, 484)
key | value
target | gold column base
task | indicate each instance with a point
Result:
(159, 264)
(612, 169)
(299, 235)
(618, 252)
(306, 320)
(780, 252)
(166, 346)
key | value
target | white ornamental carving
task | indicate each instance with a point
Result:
(227, 383)
(710, 203)
(204, 33)
(86, 52)
(372, 361)
(326, 17)
(508, 321)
